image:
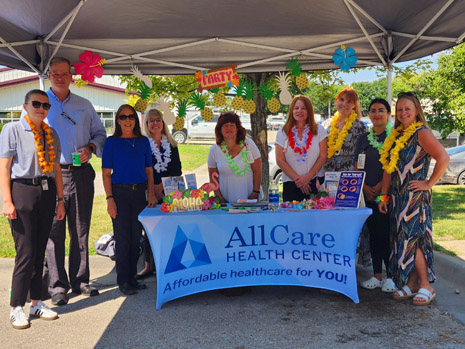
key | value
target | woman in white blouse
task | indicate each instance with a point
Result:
(301, 150)
(236, 159)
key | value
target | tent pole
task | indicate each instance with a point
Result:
(389, 83)
(42, 82)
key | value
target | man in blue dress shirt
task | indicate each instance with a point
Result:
(80, 130)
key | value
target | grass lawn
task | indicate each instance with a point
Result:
(448, 217)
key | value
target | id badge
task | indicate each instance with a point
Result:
(250, 158)
(361, 161)
(44, 184)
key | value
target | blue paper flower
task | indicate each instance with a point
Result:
(345, 57)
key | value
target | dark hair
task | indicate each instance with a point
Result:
(226, 118)
(118, 132)
(34, 92)
(58, 60)
(380, 101)
(416, 102)
(310, 114)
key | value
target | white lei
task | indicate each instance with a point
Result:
(162, 164)
(301, 143)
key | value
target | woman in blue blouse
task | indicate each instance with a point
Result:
(127, 174)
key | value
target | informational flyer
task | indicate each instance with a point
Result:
(350, 189)
(331, 182)
(191, 181)
(171, 184)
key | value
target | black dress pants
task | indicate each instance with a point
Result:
(35, 210)
(127, 230)
(378, 227)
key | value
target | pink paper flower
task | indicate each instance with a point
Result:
(177, 195)
(91, 67)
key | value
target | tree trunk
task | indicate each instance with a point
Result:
(259, 129)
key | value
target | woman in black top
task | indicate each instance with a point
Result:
(367, 159)
(166, 163)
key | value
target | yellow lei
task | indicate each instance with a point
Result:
(46, 166)
(336, 139)
(385, 152)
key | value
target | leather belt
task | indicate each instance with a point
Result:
(71, 167)
(131, 186)
(32, 181)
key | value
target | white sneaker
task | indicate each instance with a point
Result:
(42, 311)
(372, 283)
(18, 319)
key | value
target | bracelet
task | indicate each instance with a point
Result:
(382, 198)
(109, 197)
(257, 191)
(60, 200)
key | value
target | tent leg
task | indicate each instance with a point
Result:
(42, 82)
(389, 84)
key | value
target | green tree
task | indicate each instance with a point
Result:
(445, 88)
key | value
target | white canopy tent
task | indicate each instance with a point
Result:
(183, 36)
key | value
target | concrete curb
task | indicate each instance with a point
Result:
(450, 268)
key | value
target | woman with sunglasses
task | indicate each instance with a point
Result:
(406, 156)
(367, 159)
(31, 182)
(166, 163)
(127, 174)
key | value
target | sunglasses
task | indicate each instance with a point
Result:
(37, 105)
(407, 94)
(125, 117)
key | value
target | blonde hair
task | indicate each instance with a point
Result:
(354, 95)
(420, 114)
(165, 131)
(290, 122)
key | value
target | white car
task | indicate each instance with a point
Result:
(196, 127)
(275, 122)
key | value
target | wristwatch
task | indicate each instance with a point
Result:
(91, 148)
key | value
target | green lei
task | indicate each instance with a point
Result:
(232, 164)
(373, 138)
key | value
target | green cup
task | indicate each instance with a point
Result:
(76, 160)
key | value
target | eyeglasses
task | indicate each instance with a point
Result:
(37, 105)
(155, 121)
(69, 118)
(374, 111)
(407, 94)
(125, 117)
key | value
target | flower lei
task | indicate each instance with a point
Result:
(373, 138)
(336, 139)
(386, 151)
(162, 163)
(232, 164)
(46, 166)
(300, 146)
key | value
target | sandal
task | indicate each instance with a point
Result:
(428, 297)
(372, 283)
(404, 293)
(388, 286)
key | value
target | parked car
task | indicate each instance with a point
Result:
(275, 122)
(196, 127)
(455, 172)
(275, 173)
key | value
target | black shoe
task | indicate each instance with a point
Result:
(144, 275)
(127, 289)
(138, 285)
(86, 290)
(60, 298)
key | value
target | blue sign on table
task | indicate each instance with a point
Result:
(207, 250)
(349, 190)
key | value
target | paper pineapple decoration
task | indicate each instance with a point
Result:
(249, 92)
(219, 98)
(238, 101)
(182, 110)
(144, 89)
(198, 101)
(168, 116)
(293, 66)
(283, 80)
(271, 101)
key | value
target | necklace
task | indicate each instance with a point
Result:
(232, 164)
(300, 145)
(162, 160)
(386, 151)
(133, 144)
(46, 166)
(336, 139)
(373, 138)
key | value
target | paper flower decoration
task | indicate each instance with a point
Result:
(345, 57)
(90, 67)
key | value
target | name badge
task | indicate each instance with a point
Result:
(361, 161)
(44, 183)
(250, 158)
